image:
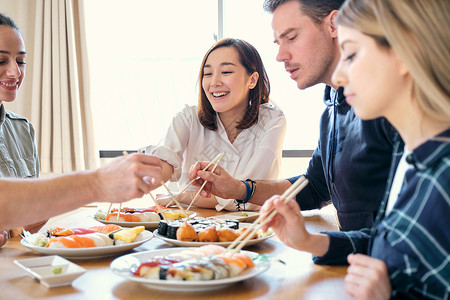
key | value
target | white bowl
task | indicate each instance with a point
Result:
(51, 271)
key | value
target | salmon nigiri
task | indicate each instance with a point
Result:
(80, 241)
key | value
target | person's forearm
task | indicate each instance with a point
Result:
(266, 189)
(316, 244)
(167, 170)
(30, 201)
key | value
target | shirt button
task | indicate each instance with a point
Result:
(410, 159)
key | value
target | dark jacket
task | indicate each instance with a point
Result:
(350, 166)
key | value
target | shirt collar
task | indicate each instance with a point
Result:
(331, 95)
(431, 151)
(2, 114)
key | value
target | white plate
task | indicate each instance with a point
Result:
(42, 269)
(86, 253)
(198, 244)
(148, 225)
(122, 266)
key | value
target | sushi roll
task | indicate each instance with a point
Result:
(172, 230)
(162, 227)
(209, 262)
(232, 224)
(188, 270)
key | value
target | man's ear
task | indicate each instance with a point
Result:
(330, 23)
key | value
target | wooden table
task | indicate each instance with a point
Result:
(298, 279)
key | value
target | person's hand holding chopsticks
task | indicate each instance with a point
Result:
(289, 226)
(219, 184)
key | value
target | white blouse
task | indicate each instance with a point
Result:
(255, 154)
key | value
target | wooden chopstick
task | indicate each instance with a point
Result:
(196, 178)
(109, 210)
(206, 168)
(120, 206)
(154, 200)
(204, 183)
(291, 192)
(158, 209)
(175, 200)
(118, 212)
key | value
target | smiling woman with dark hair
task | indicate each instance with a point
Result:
(233, 116)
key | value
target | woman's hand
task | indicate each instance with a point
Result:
(367, 278)
(288, 223)
(219, 184)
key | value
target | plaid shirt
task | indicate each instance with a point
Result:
(414, 239)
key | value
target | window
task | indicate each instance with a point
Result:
(145, 58)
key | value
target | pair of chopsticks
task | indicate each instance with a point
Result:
(215, 161)
(175, 200)
(219, 157)
(263, 219)
(150, 193)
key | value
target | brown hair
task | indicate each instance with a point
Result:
(252, 62)
(316, 10)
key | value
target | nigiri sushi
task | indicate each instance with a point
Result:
(88, 240)
(134, 217)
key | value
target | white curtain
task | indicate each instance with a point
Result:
(61, 112)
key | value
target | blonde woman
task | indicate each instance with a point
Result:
(395, 57)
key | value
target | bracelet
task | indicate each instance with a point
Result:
(249, 192)
(253, 187)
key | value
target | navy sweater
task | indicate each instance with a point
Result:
(350, 165)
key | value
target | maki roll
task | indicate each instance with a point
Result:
(232, 224)
(172, 229)
(162, 227)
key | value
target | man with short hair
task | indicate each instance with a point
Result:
(350, 165)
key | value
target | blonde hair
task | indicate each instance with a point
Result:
(418, 31)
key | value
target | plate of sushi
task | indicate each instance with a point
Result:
(86, 243)
(190, 269)
(148, 217)
(201, 231)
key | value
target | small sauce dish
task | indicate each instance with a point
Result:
(51, 271)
